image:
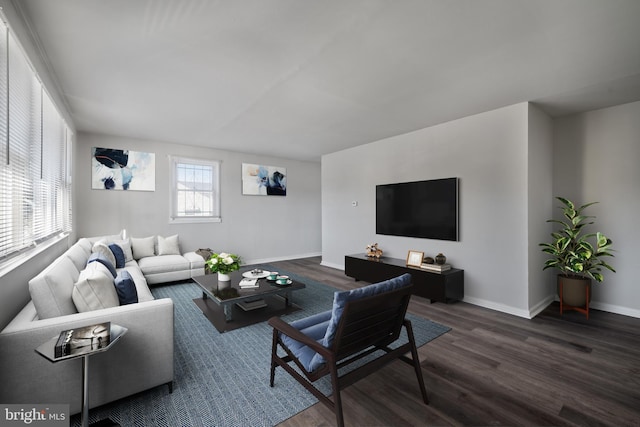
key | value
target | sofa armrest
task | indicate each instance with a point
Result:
(194, 259)
(197, 263)
(142, 359)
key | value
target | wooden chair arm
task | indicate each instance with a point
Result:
(283, 327)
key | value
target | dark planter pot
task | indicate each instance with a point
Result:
(574, 290)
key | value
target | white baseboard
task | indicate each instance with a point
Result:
(498, 307)
(538, 308)
(332, 265)
(615, 309)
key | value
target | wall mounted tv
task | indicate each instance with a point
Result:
(424, 209)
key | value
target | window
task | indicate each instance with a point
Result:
(35, 144)
(195, 190)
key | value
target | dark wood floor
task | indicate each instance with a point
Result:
(496, 369)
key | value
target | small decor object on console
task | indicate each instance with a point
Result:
(373, 251)
(428, 260)
(223, 264)
(441, 259)
(414, 258)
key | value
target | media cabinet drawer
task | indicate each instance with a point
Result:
(444, 287)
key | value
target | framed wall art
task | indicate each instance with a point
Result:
(113, 169)
(260, 180)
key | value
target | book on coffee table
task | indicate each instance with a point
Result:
(251, 305)
(249, 283)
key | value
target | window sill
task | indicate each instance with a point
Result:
(194, 220)
(18, 260)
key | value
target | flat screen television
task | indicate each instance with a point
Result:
(424, 209)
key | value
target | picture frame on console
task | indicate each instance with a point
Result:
(414, 258)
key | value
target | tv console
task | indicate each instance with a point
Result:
(445, 287)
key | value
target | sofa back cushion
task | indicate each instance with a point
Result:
(94, 289)
(79, 252)
(51, 289)
(143, 247)
(168, 245)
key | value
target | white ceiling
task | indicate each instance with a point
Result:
(301, 78)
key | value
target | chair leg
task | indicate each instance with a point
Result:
(274, 353)
(416, 362)
(337, 401)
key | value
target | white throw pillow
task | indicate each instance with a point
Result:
(168, 245)
(94, 289)
(143, 247)
(102, 247)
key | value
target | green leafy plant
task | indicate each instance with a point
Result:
(572, 251)
(223, 263)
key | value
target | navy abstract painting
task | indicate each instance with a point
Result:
(259, 180)
(113, 169)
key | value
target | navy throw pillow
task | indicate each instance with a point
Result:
(126, 288)
(96, 256)
(118, 253)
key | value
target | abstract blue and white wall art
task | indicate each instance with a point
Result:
(113, 169)
(259, 180)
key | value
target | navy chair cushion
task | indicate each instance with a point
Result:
(340, 299)
(323, 326)
(314, 327)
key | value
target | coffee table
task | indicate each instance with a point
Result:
(229, 307)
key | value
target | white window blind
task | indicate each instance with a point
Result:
(34, 143)
(196, 190)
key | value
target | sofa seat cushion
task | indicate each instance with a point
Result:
(95, 289)
(163, 264)
(51, 290)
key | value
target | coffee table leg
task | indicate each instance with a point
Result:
(227, 312)
(287, 299)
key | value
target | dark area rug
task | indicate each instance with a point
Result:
(223, 379)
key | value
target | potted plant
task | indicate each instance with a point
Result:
(577, 255)
(223, 264)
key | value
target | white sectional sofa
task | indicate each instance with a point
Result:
(142, 359)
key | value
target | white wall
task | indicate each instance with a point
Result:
(489, 153)
(597, 158)
(258, 228)
(540, 207)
